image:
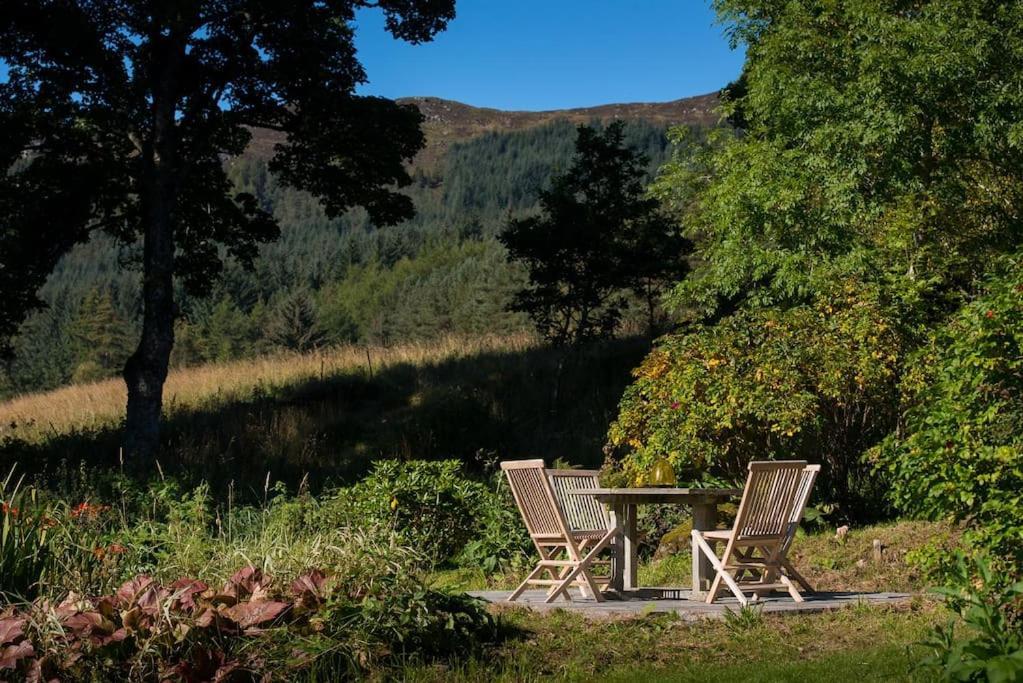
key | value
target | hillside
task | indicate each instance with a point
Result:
(448, 121)
(339, 280)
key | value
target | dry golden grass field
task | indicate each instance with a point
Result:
(100, 405)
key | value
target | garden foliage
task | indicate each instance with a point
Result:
(434, 508)
(148, 586)
(959, 452)
(988, 645)
(872, 185)
(817, 381)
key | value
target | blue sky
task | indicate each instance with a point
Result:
(552, 54)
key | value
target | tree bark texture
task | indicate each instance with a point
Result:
(146, 369)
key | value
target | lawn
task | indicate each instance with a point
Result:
(858, 643)
(854, 644)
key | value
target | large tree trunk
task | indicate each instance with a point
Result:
(146, 370)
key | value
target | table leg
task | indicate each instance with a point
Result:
(618, 557)
(705, 517)
(631, 544)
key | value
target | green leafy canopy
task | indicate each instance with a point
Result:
(119, 114)
(874, 178)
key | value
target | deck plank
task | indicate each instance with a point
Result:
(677, 601)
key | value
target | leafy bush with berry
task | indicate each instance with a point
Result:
(815, 381)
(959, 451)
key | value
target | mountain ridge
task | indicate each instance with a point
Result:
(449, 121)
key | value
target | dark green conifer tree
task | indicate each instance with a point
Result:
(293, 323)
(101, 340)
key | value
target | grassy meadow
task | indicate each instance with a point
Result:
(325, 416)
(97, 406)
(856, 644)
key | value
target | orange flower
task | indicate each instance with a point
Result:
(88, 510)
(116, 548)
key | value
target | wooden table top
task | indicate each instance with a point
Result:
(655, 494)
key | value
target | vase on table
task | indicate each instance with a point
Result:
(661, 474)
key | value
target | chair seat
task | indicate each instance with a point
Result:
(590, 534)
(726, 535)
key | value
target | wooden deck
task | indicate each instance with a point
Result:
(677, 601)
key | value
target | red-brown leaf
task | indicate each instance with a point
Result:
(224, 597)
(12, 654)
(308, 588)
(151, 599)
(115, 637)
(129, 591)
(184, 591)
(11, 629)
(107, 606)
(72, 604)
(246, 577)
(84, 622)
(247, 614)
(206, 619)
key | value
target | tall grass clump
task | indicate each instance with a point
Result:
(325, 417)
(23, 538)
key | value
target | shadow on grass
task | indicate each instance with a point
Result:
(536, 403)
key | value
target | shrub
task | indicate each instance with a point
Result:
(991, 649)
(429, 504)
(501, 541)
(815, 381)
(959, 453)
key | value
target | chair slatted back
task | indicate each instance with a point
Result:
(582, 512)
(805, 488)
(535, 498)
(767, 501)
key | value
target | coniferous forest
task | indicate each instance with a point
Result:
(324, 281)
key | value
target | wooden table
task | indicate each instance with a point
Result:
(623, 502)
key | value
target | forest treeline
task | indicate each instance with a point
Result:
(324, 281)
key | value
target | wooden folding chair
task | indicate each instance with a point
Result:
(553, 536)
(587, 517)
(756, 544)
